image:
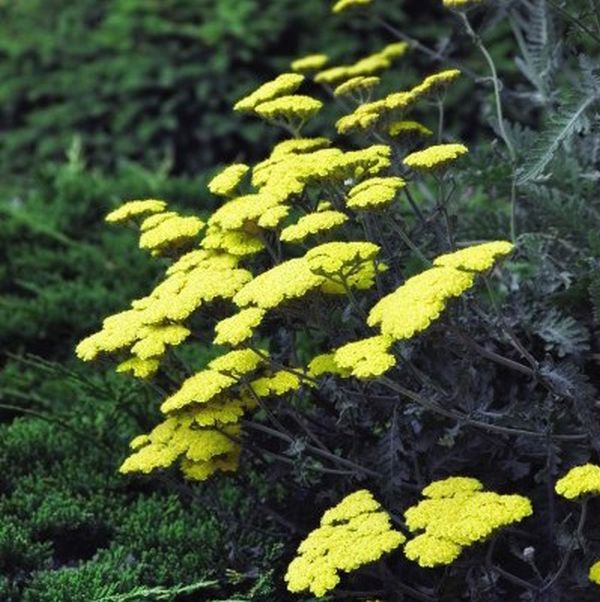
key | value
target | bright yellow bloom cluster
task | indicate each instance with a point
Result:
(594, 574)
(325, 363)
(456, 514)
(477, 258)
(239, 327)
(419, 301)
(284, 84)
(435, 157)
(374, 192)
(369, 65)
(293, 107)
(132, 209)
(204, 450)
(356, 85)
(579, 481)
(313, 223)
(227, 181)
(409, 129)
(140, 368)
(162, 231)
(436, 83)
(342, 5)
(276, 384)
(310, 63)
(353, 533)
(367, 358)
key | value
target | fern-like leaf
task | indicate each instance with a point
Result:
(562, 333)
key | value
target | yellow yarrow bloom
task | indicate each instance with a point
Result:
(340, 258)
(140, 368)
(233, 242)
(313, 223)
(367, 358)
(436, 82)
(369, 65)
(356, 85)
(408, 129)
(394, 51)
(286, 83)
(594, 574)
(457, 514)
(374, 193)
(291, 279)
(227, 181)
(277, 384)
(579, 481)
(342, 5)
(239, 327)
(172, 231)
(477, 258)
(325, 363)
(132, 209)
(237, 212)
(201, 258)
(298, 146)
(310, 63)
(419, 301)
(294, 107)
(353, 533)
(153, 339)
(435, 157)
(273, 216)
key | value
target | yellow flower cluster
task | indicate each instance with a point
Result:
(313, 223)
(239, 327)
(325, 363)
(310, 63)
(282, 85)
(163, 231)
(455, 515)
(369, 65)
(342, 5)
(367, 358)
(435, 157)
(579, 481)
(594, 574)
(204, 450)
(477, 258)
(408, 129)
(421, 299)
(356, 85)
(227, 181)
(353, 533)
(294, 107)
(374, 192)
(394, 105)
(132, 209)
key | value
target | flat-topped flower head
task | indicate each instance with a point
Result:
(344, 5)
(282, 85)
(132, 209)
(227, 181)
(238, 212)
(340, 258)
(293, 107)
(394, 51)
(173, 231)
(374, 193)
(413, 306)
(353, 533)
(239, 327)
(367, 358)
(436, 83)
(313, 223)
(234, 242)
(477, 258)
(579, 481)
(456, 514)
(357, 86)
(435, 157)
(310, 63)
(594, 574)
(409, 130)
